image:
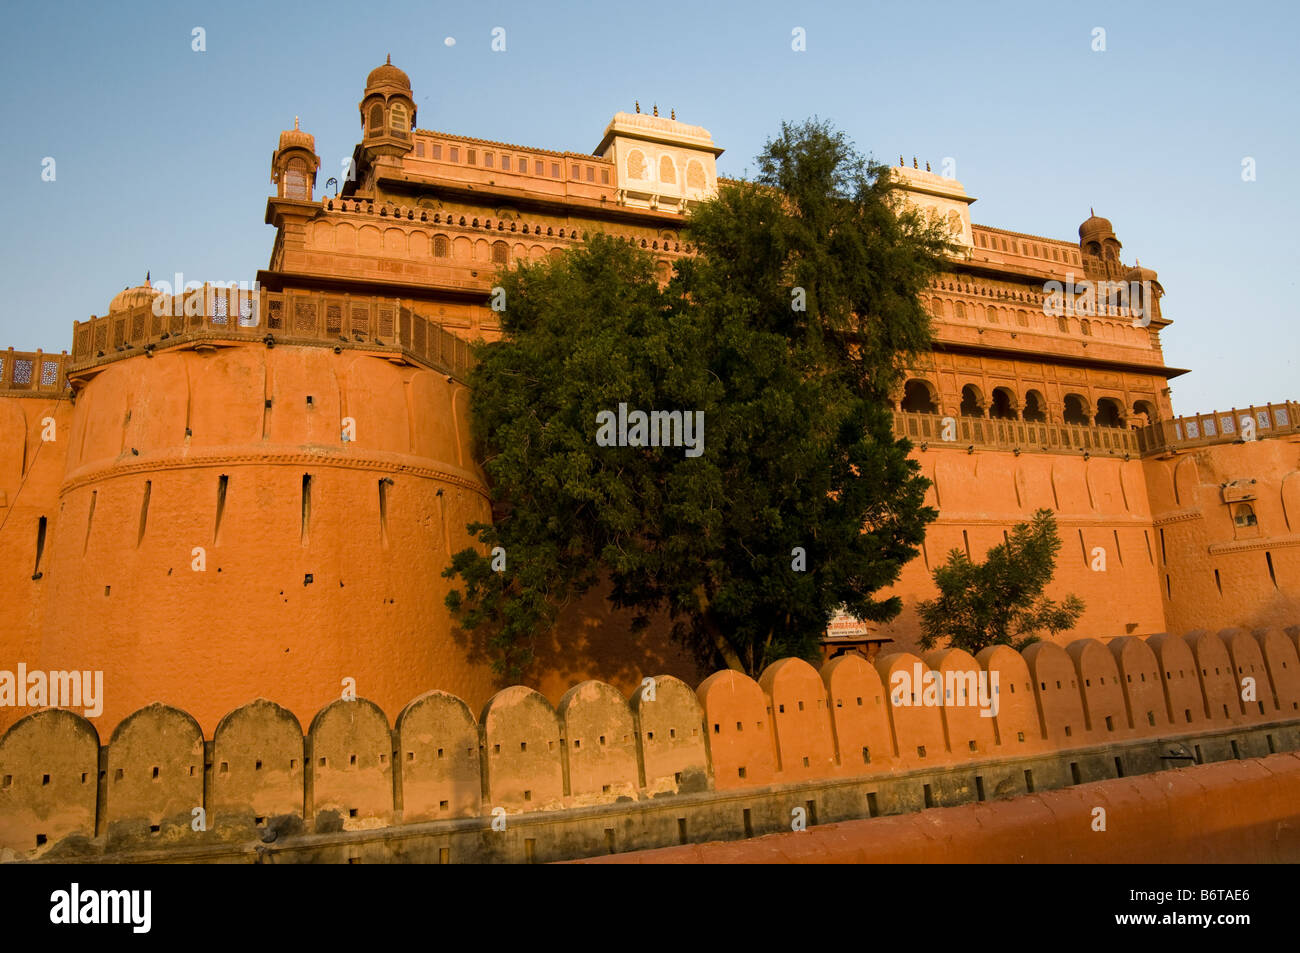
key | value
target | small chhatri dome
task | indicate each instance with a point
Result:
(388, 75)
(296, 137)
(129, 298)
(1095, 228)
(1138, 273)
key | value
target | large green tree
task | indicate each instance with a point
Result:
(999, 601)
(787, 331)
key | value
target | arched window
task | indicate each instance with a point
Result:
(500, 253)
(667, 171)
(1144, 414)
(1085, 328)
(971, 403)
(1035, 408)
(636, 167)
(695, 175)
(1076, 410)
(992, 314)
(1109, 413)
(1063, 325)
(961, 310)
(295, 179)
(918, 398)
(377, 118)
(1003, 406)
(399, 122)
(439, 246)
(1243, 514)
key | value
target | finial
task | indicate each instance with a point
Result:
(656, 109)
(674, 115)
(914, 165)
(389, 61)
(927, 167)
(1092, 211)
(295, 122)
(146, 280)
(900, 161)
(638, 106)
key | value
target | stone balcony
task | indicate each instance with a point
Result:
(1018, 436)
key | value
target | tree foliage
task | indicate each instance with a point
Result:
(1000, 600)
(788, 329)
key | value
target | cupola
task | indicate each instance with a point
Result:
(387, 111)
(1097, 238)
(294, 164)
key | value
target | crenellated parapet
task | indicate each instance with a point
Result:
(158, 783)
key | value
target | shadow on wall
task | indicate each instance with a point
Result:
(1277, 612)
(163, 784)
(592, 639)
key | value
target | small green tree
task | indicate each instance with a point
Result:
(1000, 601)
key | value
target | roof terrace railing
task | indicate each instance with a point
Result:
(316, 318)
(33, 373)
(1228, 426)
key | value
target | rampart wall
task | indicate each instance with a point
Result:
(323, 554)
(260, 776)
(220, 519)
(1107, 554)
(1227, 532)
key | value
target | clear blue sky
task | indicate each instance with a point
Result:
(163, 153)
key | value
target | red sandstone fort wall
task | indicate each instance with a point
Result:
(356, 768)
(1215, 571)
(250, 624)
(1100, 504)
(31, 472)
(302, 585)
(304, 577)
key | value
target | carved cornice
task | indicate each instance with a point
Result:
(1180, 517)
(1246, 545)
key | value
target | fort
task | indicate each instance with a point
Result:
(228, 507)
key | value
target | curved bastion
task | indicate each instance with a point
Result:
(237, 521)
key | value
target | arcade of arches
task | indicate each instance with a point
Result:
(920, 396)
